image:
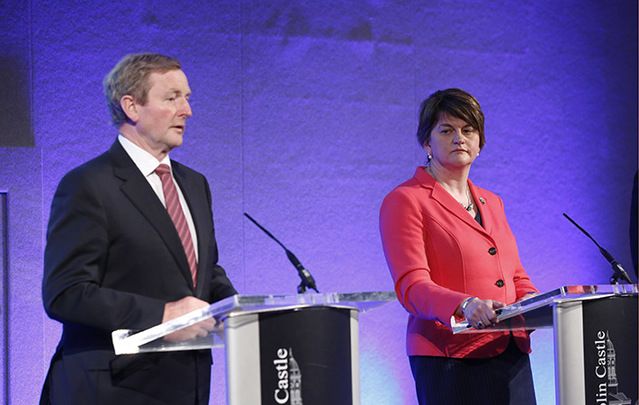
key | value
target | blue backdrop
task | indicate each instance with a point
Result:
(304, 116)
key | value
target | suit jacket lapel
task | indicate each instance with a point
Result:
(486, 218)
(447, 201)
(140, 193)
(439, 194)
(199, 213)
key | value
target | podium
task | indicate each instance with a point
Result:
(595, 339)
(280, 349)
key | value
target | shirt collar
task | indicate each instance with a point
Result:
(145, 162)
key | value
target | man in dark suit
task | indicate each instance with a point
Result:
(131, 244)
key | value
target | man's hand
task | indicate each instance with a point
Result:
(180, 307)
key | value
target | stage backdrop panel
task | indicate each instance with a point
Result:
(305, 115)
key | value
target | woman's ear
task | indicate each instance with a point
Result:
(427, 148)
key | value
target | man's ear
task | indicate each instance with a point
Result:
(128, 105)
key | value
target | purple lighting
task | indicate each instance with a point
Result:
(304, 115)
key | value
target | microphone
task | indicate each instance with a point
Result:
(305, 275)
(618, 271)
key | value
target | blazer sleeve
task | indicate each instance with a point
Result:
(75, 260)
(403, 237)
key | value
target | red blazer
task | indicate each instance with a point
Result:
(438, 255)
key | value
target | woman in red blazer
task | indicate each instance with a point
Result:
(451, 253)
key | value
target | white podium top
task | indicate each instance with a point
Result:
(126, 341)
(536, 312)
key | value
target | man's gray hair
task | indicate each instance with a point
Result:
(131, 77)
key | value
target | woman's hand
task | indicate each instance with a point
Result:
(528, 295)
(481, 313)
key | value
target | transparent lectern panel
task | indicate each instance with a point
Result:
(536, 312)
(158, 337)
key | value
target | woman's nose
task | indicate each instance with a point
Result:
(458, 138)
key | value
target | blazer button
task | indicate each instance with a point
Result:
(492, 251)
(499, 283)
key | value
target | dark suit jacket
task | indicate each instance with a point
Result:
(113, 259)
(439, 255)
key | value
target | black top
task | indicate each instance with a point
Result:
(478, 217)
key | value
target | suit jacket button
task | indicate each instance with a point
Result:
(499, 283)
(492, 251)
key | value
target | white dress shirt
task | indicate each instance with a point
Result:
(147, 164)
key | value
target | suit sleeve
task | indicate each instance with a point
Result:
(75, 260)
(402, 231)
(220, 285)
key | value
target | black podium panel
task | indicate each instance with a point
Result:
(610, 350)
(305, 356)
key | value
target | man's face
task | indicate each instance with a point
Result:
(161, 122)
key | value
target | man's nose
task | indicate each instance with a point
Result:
(185, 109)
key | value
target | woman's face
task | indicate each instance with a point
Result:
(453, 142)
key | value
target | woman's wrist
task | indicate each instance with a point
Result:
(464, 305)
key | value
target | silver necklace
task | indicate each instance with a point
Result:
(470, 205)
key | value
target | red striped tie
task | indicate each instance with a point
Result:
(176, 213)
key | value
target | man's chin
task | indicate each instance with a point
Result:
(176, 140)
